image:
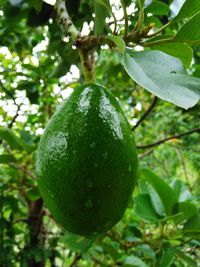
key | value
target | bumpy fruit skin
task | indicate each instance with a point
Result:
(87, 162)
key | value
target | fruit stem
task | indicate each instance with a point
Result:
(87, 62)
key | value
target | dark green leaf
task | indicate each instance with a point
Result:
(165, 192)
(144, 209)
(156, 201)
(61, 69)
(193, 225)
(101, 12)
(157, 8)
(164, 76)
(190, 31)
(188, 209)
(6, 158)
(180, 11)
(167, 259)
(37, 4)
(118, 41)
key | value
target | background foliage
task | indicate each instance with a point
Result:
(39, 68)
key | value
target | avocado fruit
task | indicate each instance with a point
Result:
(87, 162)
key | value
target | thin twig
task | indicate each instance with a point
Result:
(65, 20)
(146, 113)
(158, 31)
(23, 169)
(147, 153)
(8, 93)
(15, 117)
(177, 136)
(75, 260)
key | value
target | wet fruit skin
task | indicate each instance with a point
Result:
(87, 162)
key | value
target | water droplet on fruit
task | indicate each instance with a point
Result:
(92, 145)
(88, 203)
(90, 183)
(105, 155)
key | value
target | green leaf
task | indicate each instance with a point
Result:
(134, 261)
(188, 209)
(118, 41)
(144, 209)
(37, 4)
(157, 8)
(76, 242)
(147, 250)
(165, 192)
(183, 9)
(14, 141)
(111, 250)
(156, 201)
(187, 259)
(6, 158)
(100, 16)
(190, 31)
(167, 259)
(182, 51)
(193, 225)
(105, 3)
(164, 76)
(61, 69)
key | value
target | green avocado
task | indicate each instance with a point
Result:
(87, 162)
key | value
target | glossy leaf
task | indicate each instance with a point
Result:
(190, 31)
(144, 209)
(168, 255)
(165, 192)
(184, 10)
(134, 261)
(182, 51)
(156, 201)
(188, 209)
(193, 225)
(164, 76)
(118, 41)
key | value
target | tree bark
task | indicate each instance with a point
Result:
(36, 238)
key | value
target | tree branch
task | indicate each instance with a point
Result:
(75, 260)
(146, 113)
(65, 20)
(177, 136)
(15, 117)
